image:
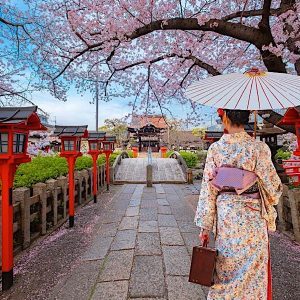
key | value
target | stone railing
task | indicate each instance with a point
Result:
(117, 162)
(288, 210)
(44, 207)
(181, 162)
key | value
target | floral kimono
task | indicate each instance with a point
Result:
(241, 223)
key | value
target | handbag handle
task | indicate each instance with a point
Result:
(205, 240)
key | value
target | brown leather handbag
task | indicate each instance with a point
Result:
(203, 265)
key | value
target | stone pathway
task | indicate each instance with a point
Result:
(164, 170)
(135, 243)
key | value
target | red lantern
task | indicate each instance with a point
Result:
(292, 117)
(71, 142)
(108, 147)
(15, 123)
(95, 139)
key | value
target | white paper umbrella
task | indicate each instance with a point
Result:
(253, 90)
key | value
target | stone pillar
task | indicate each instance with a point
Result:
(280, 209)
(85, 177)
(294, 199)
(22, 195)
(40, 189)
(52, 187)
(189, 176)
(78, 180)
(63, 184)
(149, 176)
(90, 173)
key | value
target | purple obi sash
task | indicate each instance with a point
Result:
(235, 181)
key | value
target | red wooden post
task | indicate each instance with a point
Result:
(107, 154)
(71, 164)
(71, 141)
(7, 226)
(95, 138)
(108, 148)
(15, 123)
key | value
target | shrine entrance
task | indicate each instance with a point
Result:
(146, 131)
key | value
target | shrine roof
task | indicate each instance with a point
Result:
(76, 131)
(21, 116)
(140, 121)
(96, 135)
(110, 138)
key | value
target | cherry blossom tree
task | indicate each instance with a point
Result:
(151, 50)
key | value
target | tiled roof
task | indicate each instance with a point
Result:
(139, 121)
(80, 131)
(96, 135)
(16, 114)
(23, 116)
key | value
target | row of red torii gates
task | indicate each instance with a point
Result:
(15, 124)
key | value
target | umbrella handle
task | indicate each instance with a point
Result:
(255, 123)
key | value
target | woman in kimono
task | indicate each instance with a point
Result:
(240, 222)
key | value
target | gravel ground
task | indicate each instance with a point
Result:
(40, 267)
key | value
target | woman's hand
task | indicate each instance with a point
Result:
(203, 236)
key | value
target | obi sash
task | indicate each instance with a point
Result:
(234, 180)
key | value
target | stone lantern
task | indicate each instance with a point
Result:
(108, 147)
(94, 139)
(70, 149)
(15, 123)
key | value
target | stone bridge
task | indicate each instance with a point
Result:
(165, 170)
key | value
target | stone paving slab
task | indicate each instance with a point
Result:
(135, 202)
(149, 203)
(124, 239)
(162, 202)
(148, 214)
(113, 290)
(148, 226)
(129, 223)
(167, 221)
(79, 282)
(98, 249)
(147, 279)
(188, 227)
(177, 260)
(116, 266)
(107, 230)
(170, 236)
(164, 210)
(180, 289)
(132, 211)
(148, 244)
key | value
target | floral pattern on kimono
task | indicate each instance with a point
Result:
(241, 227)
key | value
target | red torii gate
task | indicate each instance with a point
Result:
(15, 123)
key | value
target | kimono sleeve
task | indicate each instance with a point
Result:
(268, 176)
(206, 208)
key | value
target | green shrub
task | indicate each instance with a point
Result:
(112, 158)
(83, 162)
(201, 155)
(40, 169)
(169, 153)
(190, 158)
(101, 160)
(130, 153)
(282, 154)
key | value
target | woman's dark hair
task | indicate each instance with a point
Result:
(238, 117)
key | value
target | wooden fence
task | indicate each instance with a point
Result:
(44, 207)
(288, 210)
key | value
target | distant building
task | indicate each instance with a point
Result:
(147, 131)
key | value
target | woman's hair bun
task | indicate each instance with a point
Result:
(238, 117)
